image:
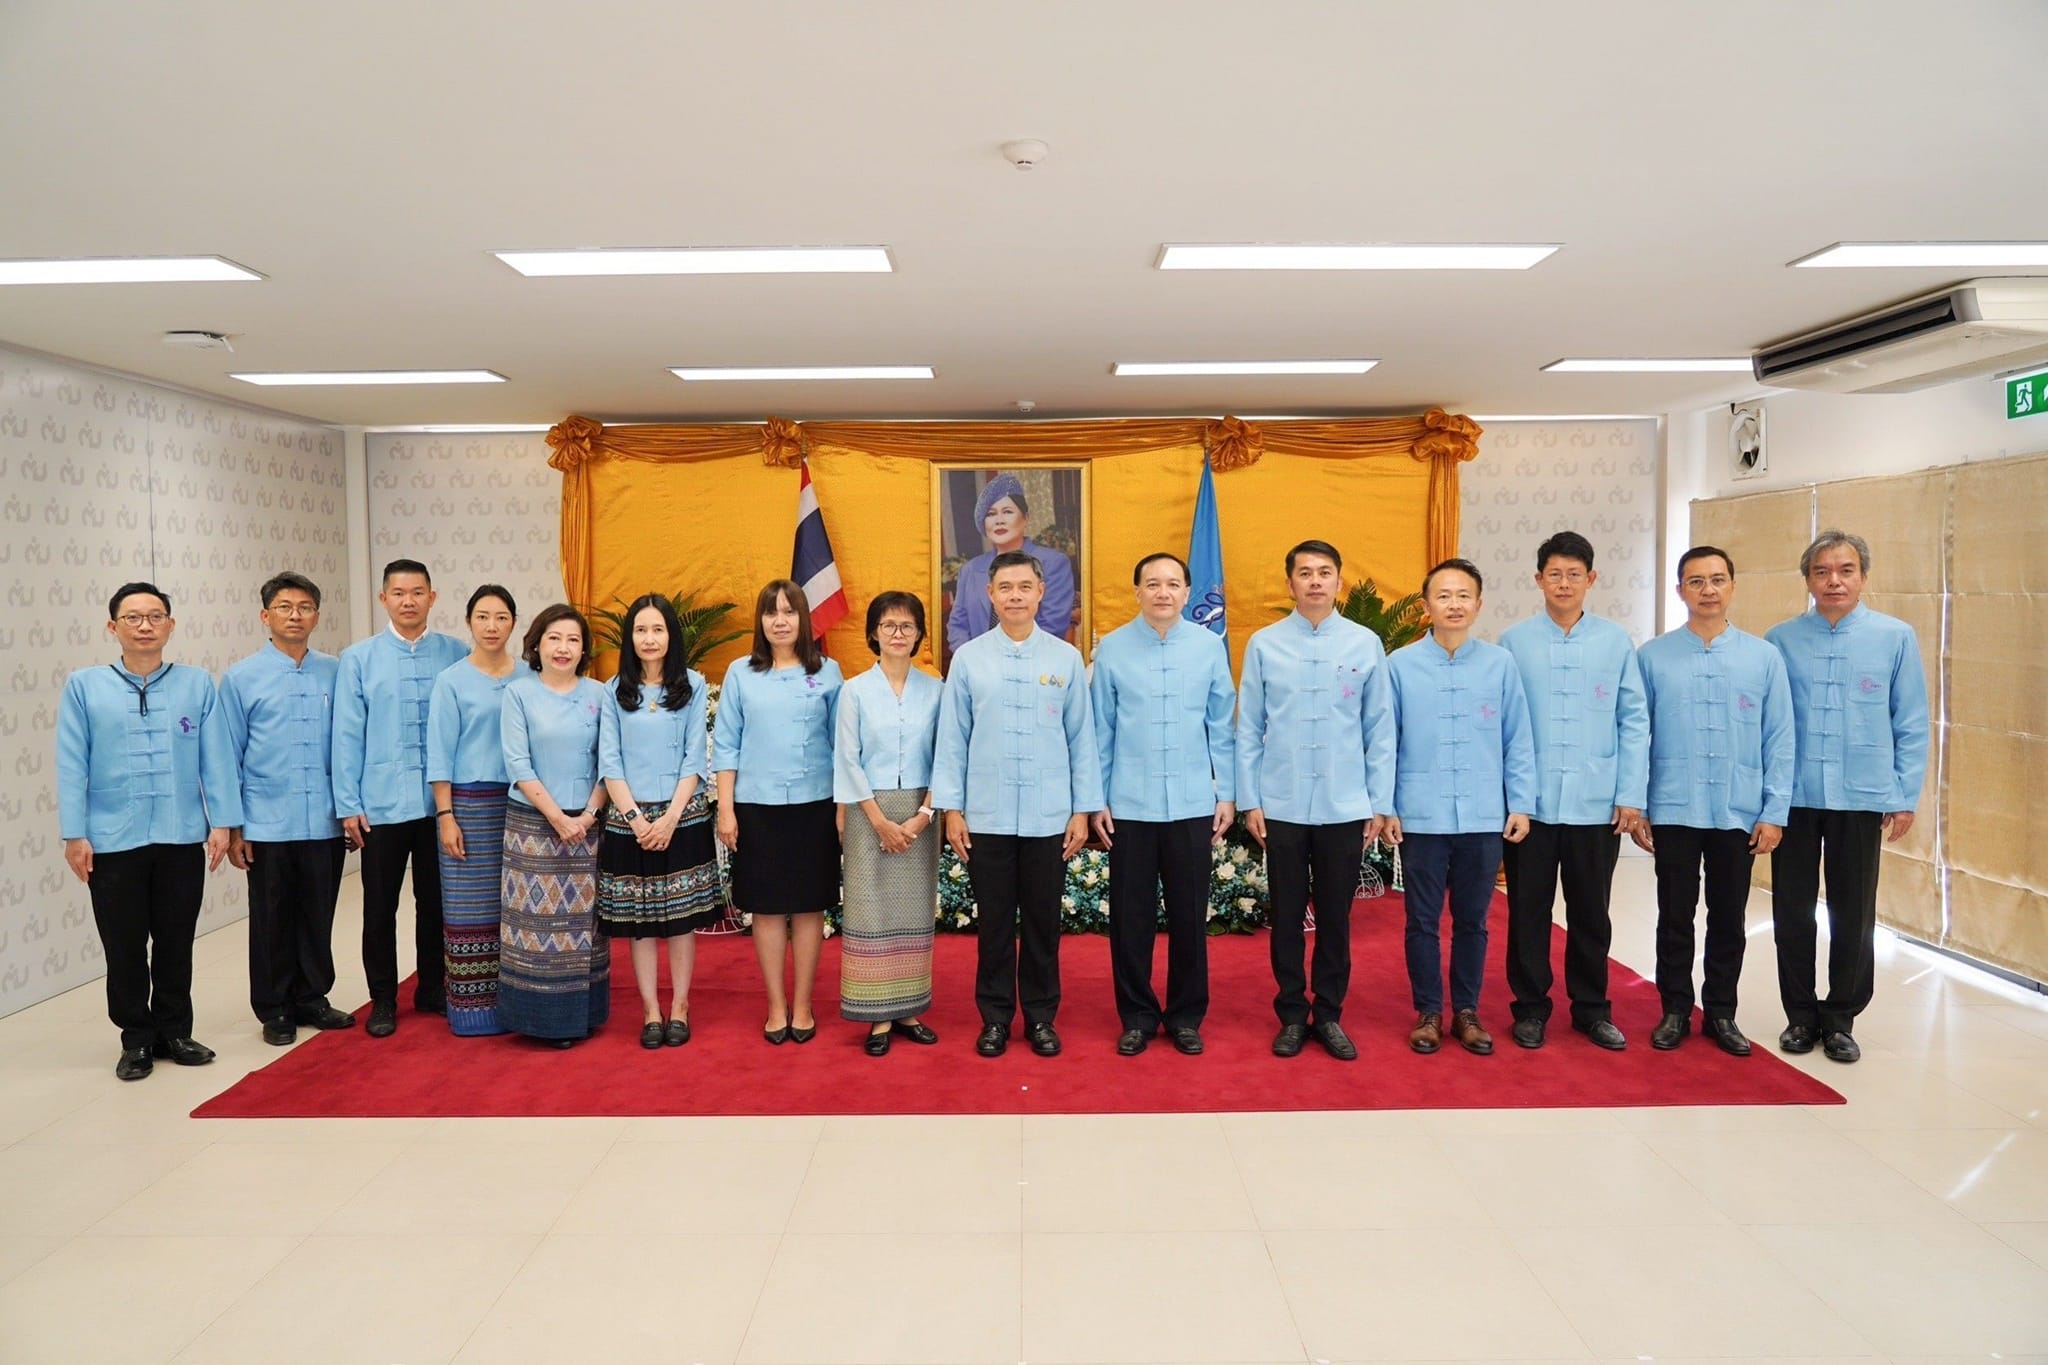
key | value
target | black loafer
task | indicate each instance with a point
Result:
(1289, 1040)
(650, 1035)
(994, 1040)
(183, 1051)
(877, 1044)
(676, 1033)
(280, 1032)
(1840, 1047)
(135, 1063)
(915, 1031)
(1798, 1038)
(1528, 1032)
(327, 1017)
(1335, 1042)
(1187, 1041)
(1727, 1037)
(1043, 1040)
(1131, 1042)
(1671, 1030)
(1604, 1034)
(383, 1019)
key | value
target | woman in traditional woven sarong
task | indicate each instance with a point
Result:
(554, 970)
(882, 769)
(657, 874)
(466, 764)
(772, 751)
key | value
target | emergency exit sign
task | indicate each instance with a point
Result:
(2027, 395)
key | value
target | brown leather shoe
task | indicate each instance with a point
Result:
(1465, 1028)
(1428, 1033)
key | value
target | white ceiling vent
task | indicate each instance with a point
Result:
(1975, 328)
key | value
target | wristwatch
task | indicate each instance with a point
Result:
(927, 812)
(630, 816)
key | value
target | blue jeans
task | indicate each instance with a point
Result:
(1466, 864)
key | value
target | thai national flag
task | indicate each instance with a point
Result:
(1205, 561)
(812, 566)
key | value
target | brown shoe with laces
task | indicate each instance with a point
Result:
(1466, 1029)
(1428, 1033)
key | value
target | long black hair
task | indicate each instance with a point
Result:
(675, 673)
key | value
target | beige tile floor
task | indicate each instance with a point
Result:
(1909, 1225)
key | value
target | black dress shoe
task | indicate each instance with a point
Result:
(280, 1032)
(183, 1051)
(1727, 1037)
(1798, 1038)
(676, 1033)
(650, 1035)
(383, 1019)
(1288, 1041)
(561, 1044)
(1840, 1047)
(915, 1031)
(802, 1035)
(994, 1040)
(1043, 1040)
(777, 1036)
(1605, 1034)
(1670, 1032)
(326, 1017)
(1187, 1041)
(1331, 1035)
(134, 1064)
(1528, 1032)
(1131, 1042)
(877, 1044)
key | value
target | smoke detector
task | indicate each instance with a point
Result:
(198, 341)
(1025, 153)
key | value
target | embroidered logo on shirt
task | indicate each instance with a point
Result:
(1867, 686)
(1744, 702)
(185, 725)
(1487, 710)
(811, 681)
(1602, 691)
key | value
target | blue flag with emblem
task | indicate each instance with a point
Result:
(1205, 560)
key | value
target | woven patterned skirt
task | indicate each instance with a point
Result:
(646, 894)
(472, 896)
(554, 964)
(885, 951)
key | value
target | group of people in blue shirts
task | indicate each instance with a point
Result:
(552, 813)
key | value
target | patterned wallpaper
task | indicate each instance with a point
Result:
(473, 509)
(1533, 478)
(103, 480)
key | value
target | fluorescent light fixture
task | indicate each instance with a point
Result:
(1128, 368)
(1951, 255)
(311, 378)
(125, 270)
(1732, 364)
(705, 260)
(1360, 256)
(804, 372)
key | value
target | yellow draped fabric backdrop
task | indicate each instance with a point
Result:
(711, 509)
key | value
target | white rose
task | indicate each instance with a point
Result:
(1226, 872)
(1245, 902)
(1067, 902)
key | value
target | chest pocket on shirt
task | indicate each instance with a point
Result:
(1601, 697)
(1746, 692)
(1869, 697)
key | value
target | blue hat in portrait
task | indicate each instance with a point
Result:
(1000, 487)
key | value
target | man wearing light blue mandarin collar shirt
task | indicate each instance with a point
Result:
(1163, 711)
(1315, 778)
(1016, 773)
(1721, 751)
(1859, 698)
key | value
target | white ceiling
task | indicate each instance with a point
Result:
(366, 157)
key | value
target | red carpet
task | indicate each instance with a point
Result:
(726, 1068)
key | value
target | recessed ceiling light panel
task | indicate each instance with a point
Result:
(1136, 368)
(1355, 256)
(317, 378)
(703, 375)
(691, 260)
(1926, 255)
(1651, 365)
(125, 270)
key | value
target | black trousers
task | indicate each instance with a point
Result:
(145, 902)
(1583, 857)
(1845, 844)
(292, 888)
(385, 853)
(1017, 883)
(1321, 860)
(1682, 851)
(1144, 855)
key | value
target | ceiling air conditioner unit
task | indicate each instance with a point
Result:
(1975, 328)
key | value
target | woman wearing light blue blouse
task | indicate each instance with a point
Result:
(466, 764)
(554, 970)
(657, 874)
(881, 773)
(772, 751)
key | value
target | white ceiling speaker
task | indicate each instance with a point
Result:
(1025, 153)
(1746, 457)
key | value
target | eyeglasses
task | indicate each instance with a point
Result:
(897, 628)
(1567, 576)
(135, 620)
(1717, 582)
(294, 609)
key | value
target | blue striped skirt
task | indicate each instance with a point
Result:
(472, 896)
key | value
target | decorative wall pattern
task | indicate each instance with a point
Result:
(104, 480)
(1535, 478)
(473, 509)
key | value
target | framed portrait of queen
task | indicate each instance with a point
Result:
(982, 510)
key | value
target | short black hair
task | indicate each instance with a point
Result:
(1314, 547)
(127, 590)
(1564, 545)
(1187, 575)
(886, 602)
(1463, 566)
(1015, 559)
(277, 583)
(560, 611)
(1704, 552)
(406, 566)
(490, 590)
